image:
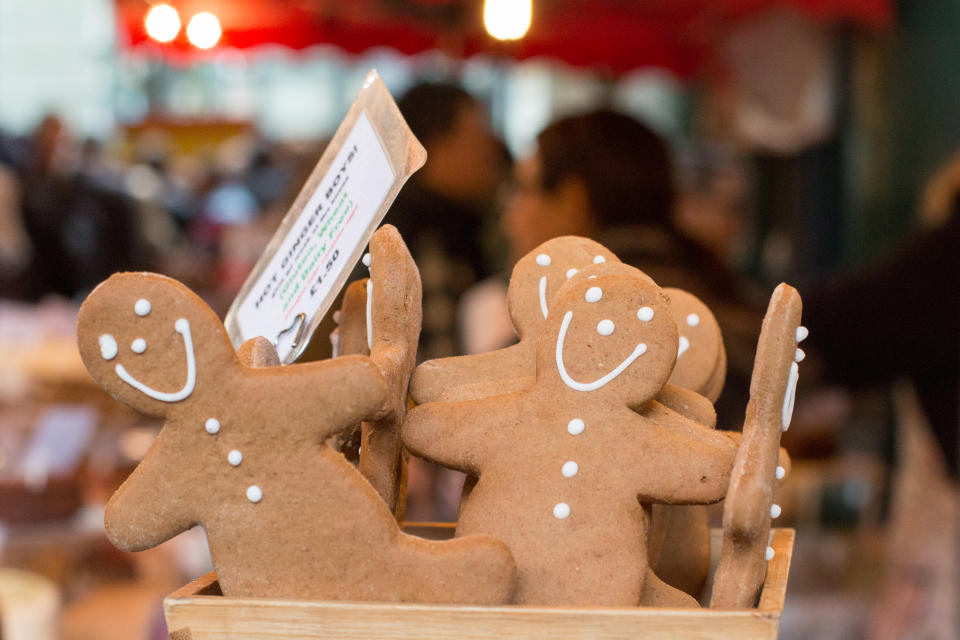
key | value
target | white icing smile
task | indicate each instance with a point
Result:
(182, 327)
(369, 314)
(790, 395)
(638, 351)
(543, 295)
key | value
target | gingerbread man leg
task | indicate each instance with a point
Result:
(749, 503)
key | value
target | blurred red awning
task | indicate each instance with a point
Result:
(618, 35)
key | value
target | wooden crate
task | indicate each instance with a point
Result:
(198, 612)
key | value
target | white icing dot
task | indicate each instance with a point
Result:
(781, 473)
(594, 294)
(693, 320)
(591, 277)
(142, 307)
(645, 314)
(683, 345)
(802, 333)
(254, 493)
(365, 259)
(235, 457)
(561, 510)
(543, 260)
(799, 355)
(212, 426)
(108, 347)
(571, 272)
(598, 259)
(775, 511)
(570, 469)
(605, 327)
(769, 554)
(139, 345)
(575, 427)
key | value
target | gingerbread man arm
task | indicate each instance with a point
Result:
(689, 404)
(434, 379)
(747, 510)
(702, 456)
(435, 431)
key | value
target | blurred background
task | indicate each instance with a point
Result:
(726, 144)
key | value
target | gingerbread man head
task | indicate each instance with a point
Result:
(701, 358)
(611, 334)
(538, 276)
(151, 343)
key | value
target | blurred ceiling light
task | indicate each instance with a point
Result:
(507, 19)
(163, 23)
(204, 30)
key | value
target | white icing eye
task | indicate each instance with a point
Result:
(139, 345)
(594, 294)
(212, 426)
(769, 554)
(570, 273)
(142, 307)
(108, 347)
(598, 259)
(254, 493)
(570, 469)
(802, 333)
(365, 259)
(799, 355)
(775, 511)
(645, 314)
(693, 320)
(543, 260)
(683, 346)
(575, 427)
(781, 473)
(561, 510)
(235, 457)
(605, 327)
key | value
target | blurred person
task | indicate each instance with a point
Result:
(606, 176)
(441, 213)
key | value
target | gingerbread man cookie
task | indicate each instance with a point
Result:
(242, 453)
(381, 456)
(565, 466)
(749, 503)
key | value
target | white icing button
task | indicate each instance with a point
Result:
(775, 511)
(142, 307)
(254, 493)
(365, 260)
(781, 473)
(561, 510)
(605, 327)
(693, 320)
(543, 260)
(108, 347)
(139, 345)
(594, 294)
(769, 554)
(645, 314)
(683, 345)
(575, 427)
(212, 426)
(571, 272)
(235, 457)
(802, 333)
(598, 259)
(799, 355)
(570, 469)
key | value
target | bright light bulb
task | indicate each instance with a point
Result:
(507, 19)
(204, 30)
(163, 23)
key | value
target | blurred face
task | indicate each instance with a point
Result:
(466, 164)
(532, 215)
